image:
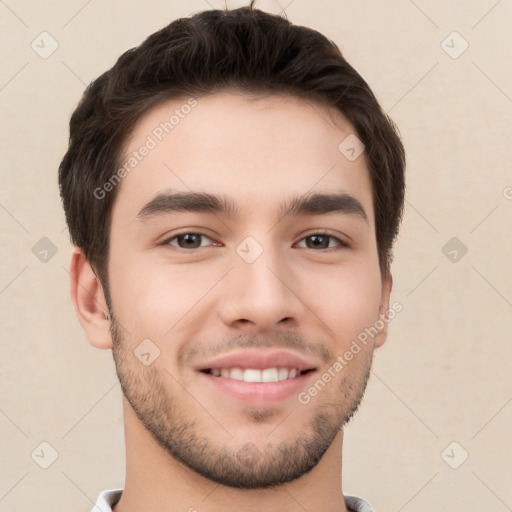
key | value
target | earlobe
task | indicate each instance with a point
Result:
(89, 301)
(387, 285)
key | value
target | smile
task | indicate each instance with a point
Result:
(256, 375)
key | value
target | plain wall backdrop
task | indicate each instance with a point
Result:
(441, 387)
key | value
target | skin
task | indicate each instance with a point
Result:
(199, 303)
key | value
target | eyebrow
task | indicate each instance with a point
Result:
(202, 202)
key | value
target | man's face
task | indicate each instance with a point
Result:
(247, 292)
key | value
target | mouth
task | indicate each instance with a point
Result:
(258, 377)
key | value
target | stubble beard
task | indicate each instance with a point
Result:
(246, 465)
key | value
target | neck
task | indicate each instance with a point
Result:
(156, 481)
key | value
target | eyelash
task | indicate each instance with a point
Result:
(341, 244)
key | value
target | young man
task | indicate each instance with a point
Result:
(233, 191)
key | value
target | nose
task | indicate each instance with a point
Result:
(262, 295)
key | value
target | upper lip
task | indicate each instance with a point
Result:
(259, 360)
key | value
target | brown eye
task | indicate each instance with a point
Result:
(322, 241)
(187, 240)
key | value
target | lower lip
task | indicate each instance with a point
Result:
(258, 392)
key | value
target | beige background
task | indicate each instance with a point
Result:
(445, 373)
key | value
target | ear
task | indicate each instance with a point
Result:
(89, 301)
(387, 285)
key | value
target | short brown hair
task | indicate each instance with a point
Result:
(246, 49)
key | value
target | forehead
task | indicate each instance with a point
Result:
(256, 150)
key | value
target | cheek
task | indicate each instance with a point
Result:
(347, 300)
(156, 299)
(153, 299)
(137, 294)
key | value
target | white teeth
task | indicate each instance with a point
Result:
(256, 375)
(252, 375)
(236, 373)
(282, 373)
(269, 375)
